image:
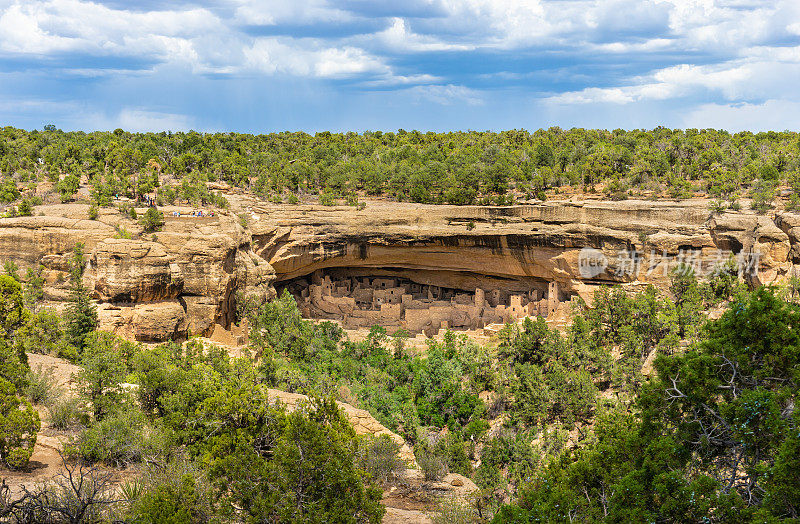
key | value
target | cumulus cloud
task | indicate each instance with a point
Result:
(287, 56)
(713, 59)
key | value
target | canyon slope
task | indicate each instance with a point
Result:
(188, 278)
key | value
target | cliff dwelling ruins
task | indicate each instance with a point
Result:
(420, 301)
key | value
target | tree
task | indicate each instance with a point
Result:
(68, 186)
(286, 467)
(81, 314)
(19, 424)
(33, 288)
(727, 403)
(103, 369)
(278, 327)
(43, 333)
(152, 220)
(172, 494)
(8, 190)
(13, 314)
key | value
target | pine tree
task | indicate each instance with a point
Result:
(81, 315)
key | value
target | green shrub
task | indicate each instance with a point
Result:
(42, 386)
(65, 414)
(327, 199)
(121, 232)
(432, 462)
(379, 456)
(25, 208)
(455, 511)
(68, 186)
(152, 220)
(19, 424)
(93, 212)
(174, 493)
(8, 190)
(120, 439)
(43, 334)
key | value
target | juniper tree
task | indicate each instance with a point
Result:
(81, 314)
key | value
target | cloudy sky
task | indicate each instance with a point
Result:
(273, 65)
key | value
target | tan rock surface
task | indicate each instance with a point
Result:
(541, 241)
(153, 287)
(204, 264)
(134, 271)
(159, 321)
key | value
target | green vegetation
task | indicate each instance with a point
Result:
(712, 437)
(458, 168)
(81, 314)
(638, 410)
(152, 220)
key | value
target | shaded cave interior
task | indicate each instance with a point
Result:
(420, 300)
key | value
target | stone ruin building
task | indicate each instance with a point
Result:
(400, 303)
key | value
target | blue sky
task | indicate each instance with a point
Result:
(274, 65)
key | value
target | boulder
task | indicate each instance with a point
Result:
(159, 321)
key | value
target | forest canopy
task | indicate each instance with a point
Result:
(473, 167)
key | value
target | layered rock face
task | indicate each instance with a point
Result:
(182, 280)
(524, 247)
(186, 278)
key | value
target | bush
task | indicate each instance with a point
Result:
(19, 424)
(93, 212)
(380, 458)
(121, 232)
(175, 493)
(455, 511)
(327, 199)
(120, 439)
(43, 334)
(8, 190)
(65, 414)
(152, 220)
(67, 187)
(25, 208)
(75, 495)
(104, 367)
(42, 387)
(432, 462)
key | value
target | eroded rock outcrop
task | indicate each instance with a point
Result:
(184, 279)
(202, 265)
(456, 247)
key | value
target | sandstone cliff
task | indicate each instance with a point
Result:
(186, 278)
(462, 246)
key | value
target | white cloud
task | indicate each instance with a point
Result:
(738, 80)
(308, 58)
(274, 12)
(770, 115)
(734, 56)
(74, 26)
(446, 94)
(399, 37)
